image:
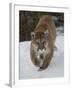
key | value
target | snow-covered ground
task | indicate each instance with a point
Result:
(55, 69)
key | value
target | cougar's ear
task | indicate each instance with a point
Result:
(32, 35)
(46, 33)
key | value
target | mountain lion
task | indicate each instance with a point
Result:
(42, 43)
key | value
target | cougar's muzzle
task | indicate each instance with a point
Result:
(41, 56)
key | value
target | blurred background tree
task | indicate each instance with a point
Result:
(29, 19)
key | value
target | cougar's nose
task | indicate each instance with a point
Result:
(40, 48)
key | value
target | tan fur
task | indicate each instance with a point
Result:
(45, 23)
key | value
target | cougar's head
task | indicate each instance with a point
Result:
(40, 44)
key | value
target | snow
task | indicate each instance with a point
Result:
(55, 69)
(60, 30)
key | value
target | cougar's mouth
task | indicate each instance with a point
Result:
(41, 56)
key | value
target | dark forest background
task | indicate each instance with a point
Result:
(29, 19)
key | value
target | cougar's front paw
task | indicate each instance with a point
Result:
(40, 69)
